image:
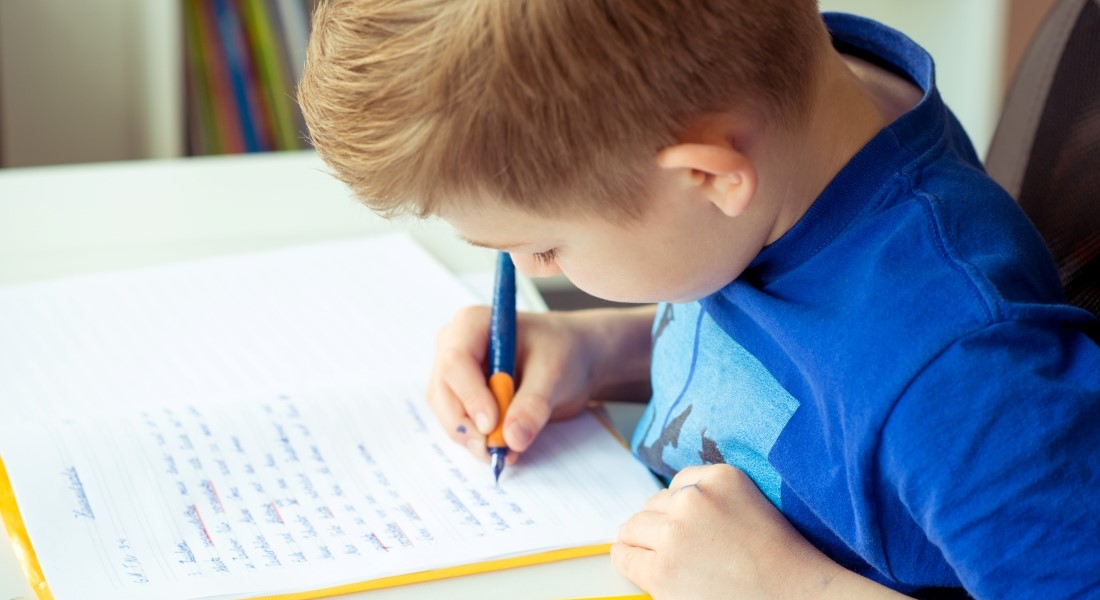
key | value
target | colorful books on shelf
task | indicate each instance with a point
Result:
(243, 59)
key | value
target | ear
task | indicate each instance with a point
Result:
(724, 176)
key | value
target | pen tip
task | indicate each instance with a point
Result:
(496, 461)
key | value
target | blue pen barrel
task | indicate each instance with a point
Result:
(502, 322)
(502, 349)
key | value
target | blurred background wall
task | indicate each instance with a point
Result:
(98, 80)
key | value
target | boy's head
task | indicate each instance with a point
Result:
(554, 107)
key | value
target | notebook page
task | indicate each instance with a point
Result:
(276, 320)
(255, 496)
(332, 330)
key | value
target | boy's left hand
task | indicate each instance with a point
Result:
(713, 534)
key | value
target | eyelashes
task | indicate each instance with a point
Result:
(547, 257)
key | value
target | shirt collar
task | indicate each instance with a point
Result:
(858, 184)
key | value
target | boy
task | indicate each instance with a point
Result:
(864, 378)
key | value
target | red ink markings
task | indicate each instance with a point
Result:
(278, 515)
(202, 524)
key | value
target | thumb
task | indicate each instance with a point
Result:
(529, 412)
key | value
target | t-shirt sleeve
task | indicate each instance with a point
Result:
(994, 449)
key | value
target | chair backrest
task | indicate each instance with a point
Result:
(1046, 150)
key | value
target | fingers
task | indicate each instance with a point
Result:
(713, 534)
(635, 563)
(530, 409)
(460, 354)
(461, 400)
(693, 475)
(457, 392)
(694, 484)
(555, 386)
(653, 544)
(644, 529)
(554, 379)
(450, 413)
(658, 501)
(463, 379)
(677, 491)
(641, 552)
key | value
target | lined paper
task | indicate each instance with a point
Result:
(255, 425)
(342, 311)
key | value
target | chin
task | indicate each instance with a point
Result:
(649, 297)
(683, 294)
(613, 295)
(686, 297)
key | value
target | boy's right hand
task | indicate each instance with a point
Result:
(562, 360)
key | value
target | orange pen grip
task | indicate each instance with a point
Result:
(503, 388)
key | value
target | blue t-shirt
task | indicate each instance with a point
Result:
(899, 373)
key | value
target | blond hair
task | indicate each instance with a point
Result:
(549, 105)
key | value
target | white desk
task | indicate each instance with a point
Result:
(60, 221)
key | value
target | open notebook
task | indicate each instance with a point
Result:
(254, 426)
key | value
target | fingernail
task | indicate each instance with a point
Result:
(484, 425)
(476, 445)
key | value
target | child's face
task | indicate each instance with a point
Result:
(682, 248)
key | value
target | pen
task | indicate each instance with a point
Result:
(502, 355)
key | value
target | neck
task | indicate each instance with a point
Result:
(795, 167)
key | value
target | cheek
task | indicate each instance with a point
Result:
(530, 267)
(656, 279)
(622, 281)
